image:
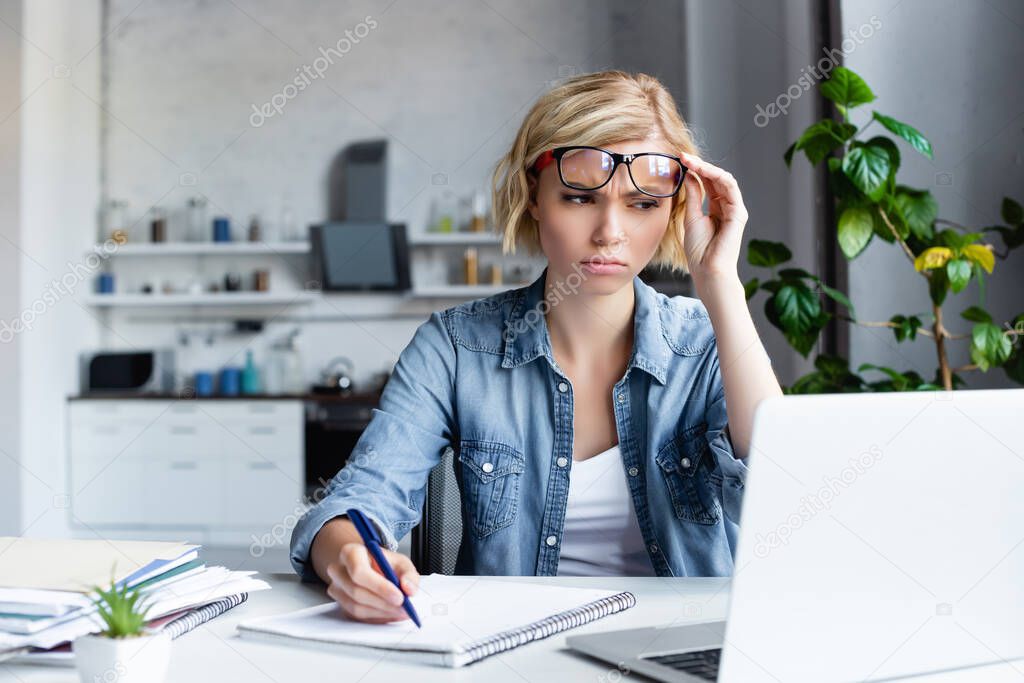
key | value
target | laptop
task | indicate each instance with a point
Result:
(882, 537)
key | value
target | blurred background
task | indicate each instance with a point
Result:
(222, 220)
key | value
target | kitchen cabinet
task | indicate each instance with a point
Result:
(224, 469)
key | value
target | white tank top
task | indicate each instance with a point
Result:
(601, 535)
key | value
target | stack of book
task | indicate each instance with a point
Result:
(47, 590)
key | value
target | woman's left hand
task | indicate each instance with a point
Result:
(712, 241)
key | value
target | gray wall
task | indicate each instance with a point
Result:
(960, 85)
(10, 269)
(739, 56)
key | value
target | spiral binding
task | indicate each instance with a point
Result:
(506, 640)
(194, 618)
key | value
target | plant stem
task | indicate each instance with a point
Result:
(966, 368)
(896, 234)
(940, 348)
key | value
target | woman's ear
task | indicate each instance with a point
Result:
(531, 202)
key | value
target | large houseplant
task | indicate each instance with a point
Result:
(870, 204)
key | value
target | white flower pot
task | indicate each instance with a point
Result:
(139, 659)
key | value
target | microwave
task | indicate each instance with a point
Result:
(142, 372)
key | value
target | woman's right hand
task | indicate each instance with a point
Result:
(361, 589)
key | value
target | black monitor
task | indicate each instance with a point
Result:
(361, 256)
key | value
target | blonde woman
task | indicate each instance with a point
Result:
(599, 426)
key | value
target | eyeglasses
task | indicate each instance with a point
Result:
(589, 168)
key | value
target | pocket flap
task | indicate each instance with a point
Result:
(490, 459)
(683, 453)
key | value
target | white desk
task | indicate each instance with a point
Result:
(214, 652)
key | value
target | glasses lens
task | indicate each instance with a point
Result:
(586, 169)
(656, 174)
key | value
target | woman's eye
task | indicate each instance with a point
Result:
(645, 204)
(571, 198)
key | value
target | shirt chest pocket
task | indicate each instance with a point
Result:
(688, 468)
(491, 474)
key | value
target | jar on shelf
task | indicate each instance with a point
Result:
(114, 221)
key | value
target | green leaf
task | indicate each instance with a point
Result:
(867, 167)
(894, 158)
(919, 209)
(938, 286)
(855, 230)
(846, 88)
(907, 327)
(836, 295)
(958, 271)
(1012, 237)
(1014, 366)
(750, 287)
(822, 137)
(1012, 212)
(788, 156)
(976, 314)
(767, 254)
(797, 307)
(989, 346)
(907, 132)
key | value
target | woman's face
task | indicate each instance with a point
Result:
(615, 223)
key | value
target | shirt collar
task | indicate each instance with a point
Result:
(526, 330)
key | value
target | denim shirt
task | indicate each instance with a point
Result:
(481, 379)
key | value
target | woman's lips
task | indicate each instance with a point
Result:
(602, 268)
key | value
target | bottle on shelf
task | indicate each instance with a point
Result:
(471, 263)
(197, 225)
(478, 219)
(443, 213)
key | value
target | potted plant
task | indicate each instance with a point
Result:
(125, 651)
(872, 205)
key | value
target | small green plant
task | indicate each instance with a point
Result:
(870, 204)
(122, 609)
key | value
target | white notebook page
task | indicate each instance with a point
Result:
(454, 611)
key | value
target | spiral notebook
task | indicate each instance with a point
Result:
(465, 619)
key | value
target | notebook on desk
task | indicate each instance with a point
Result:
(465, 618)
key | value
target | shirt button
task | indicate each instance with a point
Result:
(563, 387)
(622, 398)
(633, 471)
(685, 462)
(654, 548)
(562, 461)
(487, 467)
(551, 540)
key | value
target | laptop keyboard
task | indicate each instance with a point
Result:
(702, 663)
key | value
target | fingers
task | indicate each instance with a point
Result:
(362, 591)
(726, 199)
(405, 570)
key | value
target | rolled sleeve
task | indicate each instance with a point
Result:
(386, 475)
(733, 469)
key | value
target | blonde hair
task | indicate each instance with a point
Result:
(595, 109)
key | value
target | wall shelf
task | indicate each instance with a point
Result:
(205, 299)
(459, 291)
(210, 248)
(453, 239)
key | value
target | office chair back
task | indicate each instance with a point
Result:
(437, 538)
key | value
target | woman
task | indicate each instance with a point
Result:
(599, 426)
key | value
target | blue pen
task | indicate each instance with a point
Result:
(369, 535)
